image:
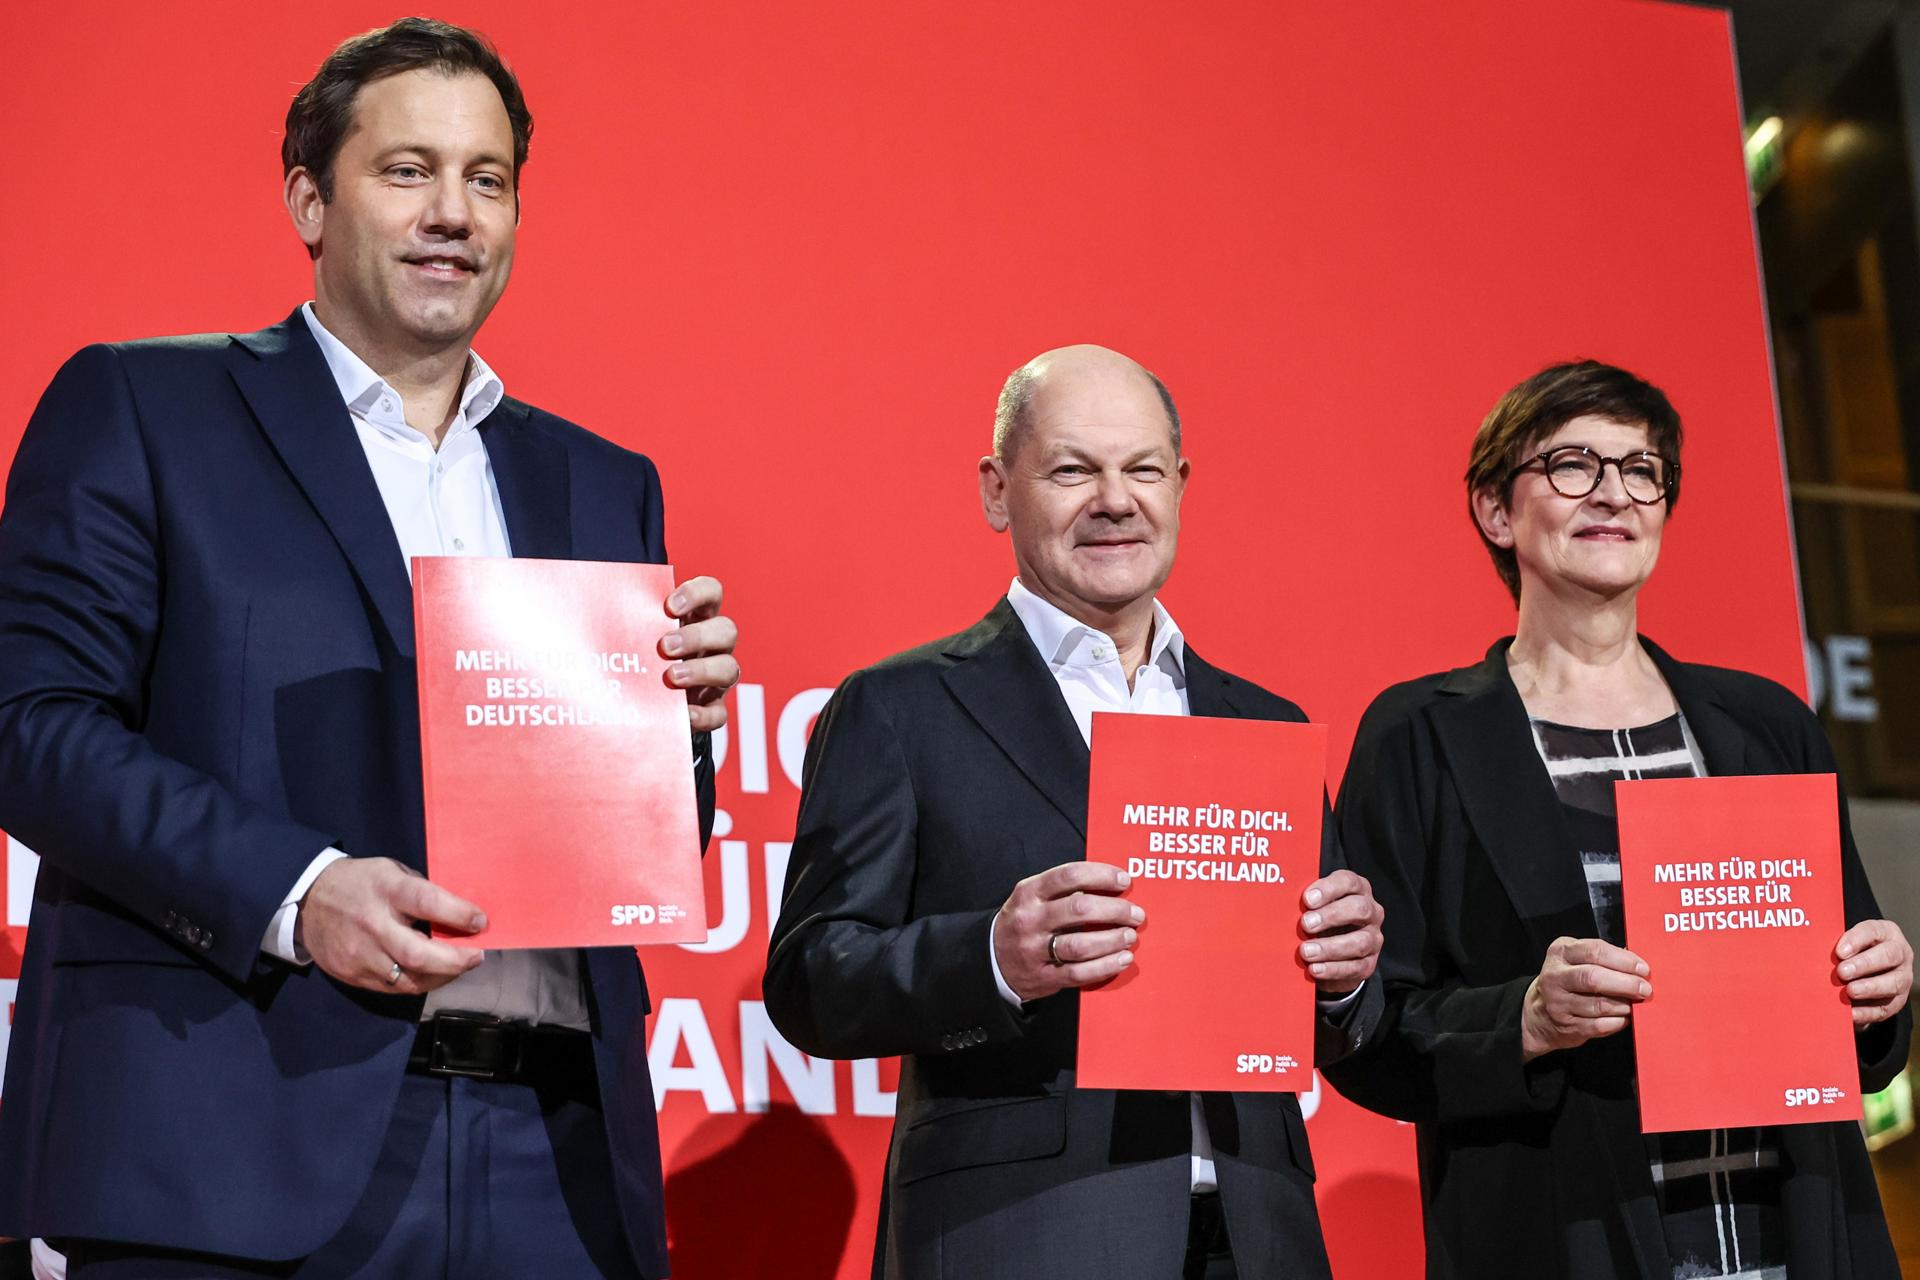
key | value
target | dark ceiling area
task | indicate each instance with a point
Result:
(1791, 52)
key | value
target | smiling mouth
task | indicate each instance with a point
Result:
(444, 266)
(1606, 533)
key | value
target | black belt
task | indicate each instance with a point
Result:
(476, 1047)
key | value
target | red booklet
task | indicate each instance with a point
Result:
(1731, 892)
(557, 761)
(1218, 821)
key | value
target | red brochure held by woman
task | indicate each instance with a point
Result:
(1731, 891)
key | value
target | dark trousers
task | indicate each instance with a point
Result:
(475, 1180)
(1209, 1252)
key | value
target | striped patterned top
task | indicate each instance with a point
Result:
(1718, 1189)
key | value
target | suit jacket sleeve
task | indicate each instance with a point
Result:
(1345, 1030)
(82, 567)
(1882, 1047)
(1445, 1051)
(851, 973)
(653, 533)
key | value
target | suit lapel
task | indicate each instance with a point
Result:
(293, 396)
(1722, 742)
(1003, 685)
(530, 473)
(1509, 799)
(1209, 689)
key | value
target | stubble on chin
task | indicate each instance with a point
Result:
(435, 325)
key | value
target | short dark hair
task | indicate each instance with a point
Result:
(1016, 397)
(1540, 406)
(321, 116)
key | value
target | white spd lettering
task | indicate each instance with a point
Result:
(634, 913)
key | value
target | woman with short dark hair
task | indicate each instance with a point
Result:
(1479, 802)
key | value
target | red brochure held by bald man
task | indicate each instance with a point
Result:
(1731, 893)
(1218, 823)
(557, 761)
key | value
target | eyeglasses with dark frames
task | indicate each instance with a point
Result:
(1574, 471)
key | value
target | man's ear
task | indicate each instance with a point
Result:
(304, 206)
(993, 492)
(1490, 513)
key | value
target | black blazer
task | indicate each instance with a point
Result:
(1540, 1170)
(934, 782)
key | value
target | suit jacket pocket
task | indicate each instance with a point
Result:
(991, 1131)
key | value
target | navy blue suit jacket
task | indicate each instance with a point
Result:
(206, 677)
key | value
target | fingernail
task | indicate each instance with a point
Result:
(1317, 970)
(1846, 971)
(677, 602)
(1138, 915)
(1311, 951)
(1846, 949)
(477, 922)
(1641, 968)
(1645, 991)
(1129, 938)
(1126, 958)
(1125, 879)
(672, 644)
(1311, 920)
(1313, 897)
(679, 672)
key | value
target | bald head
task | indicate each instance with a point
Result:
(1086, 479)
(1079, 370)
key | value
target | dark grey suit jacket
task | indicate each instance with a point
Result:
(934, 782)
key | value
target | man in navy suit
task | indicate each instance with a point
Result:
(235, 1050)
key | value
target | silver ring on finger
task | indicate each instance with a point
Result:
(393, 974)
(1053, 953)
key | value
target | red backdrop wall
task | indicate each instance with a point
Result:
(791, 250)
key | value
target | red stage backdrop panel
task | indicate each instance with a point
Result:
(790, 251)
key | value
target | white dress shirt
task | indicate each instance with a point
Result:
(1086, 665)
(442, 503)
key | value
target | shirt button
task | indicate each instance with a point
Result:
(458, 545)
(1100, 652)
(386, 404)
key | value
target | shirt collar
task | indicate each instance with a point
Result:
(365, 391)
(1063, 639)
